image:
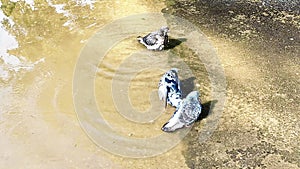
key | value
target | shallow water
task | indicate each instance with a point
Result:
(41, 48)
(40, 45)
(126, 79)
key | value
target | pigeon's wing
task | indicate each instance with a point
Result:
(174, 99)
(177, 86)
(150, 39)
(163, 94)
(195, 114)
(190, 113)
(178, 83)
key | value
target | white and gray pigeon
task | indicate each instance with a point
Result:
(186, 114)
(155, 40)
(169, 88)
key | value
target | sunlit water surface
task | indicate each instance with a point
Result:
(39, 46)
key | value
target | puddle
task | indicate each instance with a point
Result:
(40, 44)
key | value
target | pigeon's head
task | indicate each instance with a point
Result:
(164, 30)
(193, 96)
(174, 70)
(172, 73)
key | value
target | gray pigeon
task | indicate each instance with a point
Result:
(186, 114)
(156, 40)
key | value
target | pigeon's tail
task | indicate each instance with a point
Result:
(141, 41)
(139, 38)
(173, 124)
(162, 94)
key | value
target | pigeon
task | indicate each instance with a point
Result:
(169, 88)
(186, 114)
(156, 40)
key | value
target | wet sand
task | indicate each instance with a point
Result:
(259, 127)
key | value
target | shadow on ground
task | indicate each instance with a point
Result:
(187, 86)
(206, 107)
(174, 42)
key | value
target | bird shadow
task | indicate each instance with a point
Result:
(206, 108)
(187, 86)
(174, 42)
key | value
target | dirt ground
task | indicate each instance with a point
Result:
(258, 44)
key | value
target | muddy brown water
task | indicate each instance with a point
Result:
(40, 45)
